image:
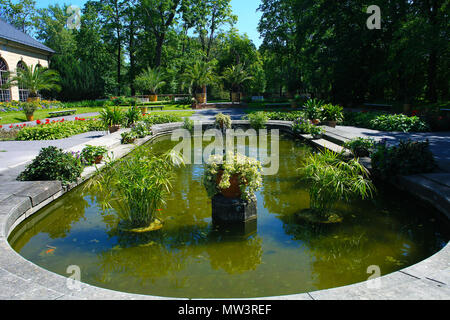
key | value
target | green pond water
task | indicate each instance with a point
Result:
(280, 254)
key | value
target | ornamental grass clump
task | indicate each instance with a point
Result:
(136, 188)
(247, 170)
(331, 179)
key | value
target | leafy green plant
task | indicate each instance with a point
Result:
(399, 122)
(302, 126)
(53, 164)
(90, 153)
(131, 116)
(111, 117)
(258, 120)
(199, 74)
(360, 147)
(247, 169)
(188, 124)
(29, 107)
(151, 120)
(236, 76)
(128, 137)
(223, 121)
(313, 109)
(332, 112)
(137, 187)
(332, 179)
(141, 130)
(406, 158)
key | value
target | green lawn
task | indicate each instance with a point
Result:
(17, 117)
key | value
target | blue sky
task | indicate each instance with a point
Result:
(248, 18)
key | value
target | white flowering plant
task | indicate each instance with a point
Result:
(247, 169)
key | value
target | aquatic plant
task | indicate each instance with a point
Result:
(332, 179)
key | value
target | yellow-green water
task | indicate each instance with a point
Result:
(281, 254)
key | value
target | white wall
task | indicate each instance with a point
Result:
(13, 53)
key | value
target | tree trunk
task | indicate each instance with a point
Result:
(159, 44)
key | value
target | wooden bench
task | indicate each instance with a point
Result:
(61, 113)
(156, 107)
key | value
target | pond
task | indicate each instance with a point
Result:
(279, 254)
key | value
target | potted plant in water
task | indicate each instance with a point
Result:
(223, 121)
(93, 154)
(236, 76)
(112, 118)
(29, 108)
(197, 77)
(233, 175)
(150, 80)
(34, 79)
(332, 114)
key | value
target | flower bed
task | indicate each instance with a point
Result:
(16, 106)
(52, 130)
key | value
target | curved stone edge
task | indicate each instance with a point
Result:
(21, 279)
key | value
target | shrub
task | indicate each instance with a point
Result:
(162, 118)
(59, 130)
(360, 147)
(408, 157)
(285, 116)
(90, 153)
(398, 122)
(332, 179)
(258, 120)
(53, 164)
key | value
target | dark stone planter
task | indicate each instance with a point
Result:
(114, 128)
(225, 210)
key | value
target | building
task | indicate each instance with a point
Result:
(18, 49)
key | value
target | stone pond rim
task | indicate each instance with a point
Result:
(427, 279)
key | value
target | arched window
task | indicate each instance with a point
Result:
(23, 92)
(5, 94)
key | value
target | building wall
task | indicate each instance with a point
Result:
(13, 53)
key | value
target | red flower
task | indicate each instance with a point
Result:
(10, 126)
(415, 113)
(47, 120)
(1, 126)
(38, 121)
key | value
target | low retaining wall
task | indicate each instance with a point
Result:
(21, 279)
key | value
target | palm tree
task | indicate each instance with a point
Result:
(197, 76)
(236, 76)
(150, 80)
(35, 79)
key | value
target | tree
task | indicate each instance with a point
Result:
(21, 15)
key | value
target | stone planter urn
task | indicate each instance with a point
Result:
(144, 110)
(201, 98)
(153, 98)
(30, 117)
(234, 191)
(331, 124)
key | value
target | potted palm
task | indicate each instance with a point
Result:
(236, 76)
(233, 175)
(150, 80)
(197, 77)
(35, 79)
(112, 118)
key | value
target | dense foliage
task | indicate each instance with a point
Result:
(406, 158)
(385, 122)
(52, 164)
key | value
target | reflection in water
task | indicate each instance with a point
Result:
(190, 257)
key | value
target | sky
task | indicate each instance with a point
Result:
(247, 23)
